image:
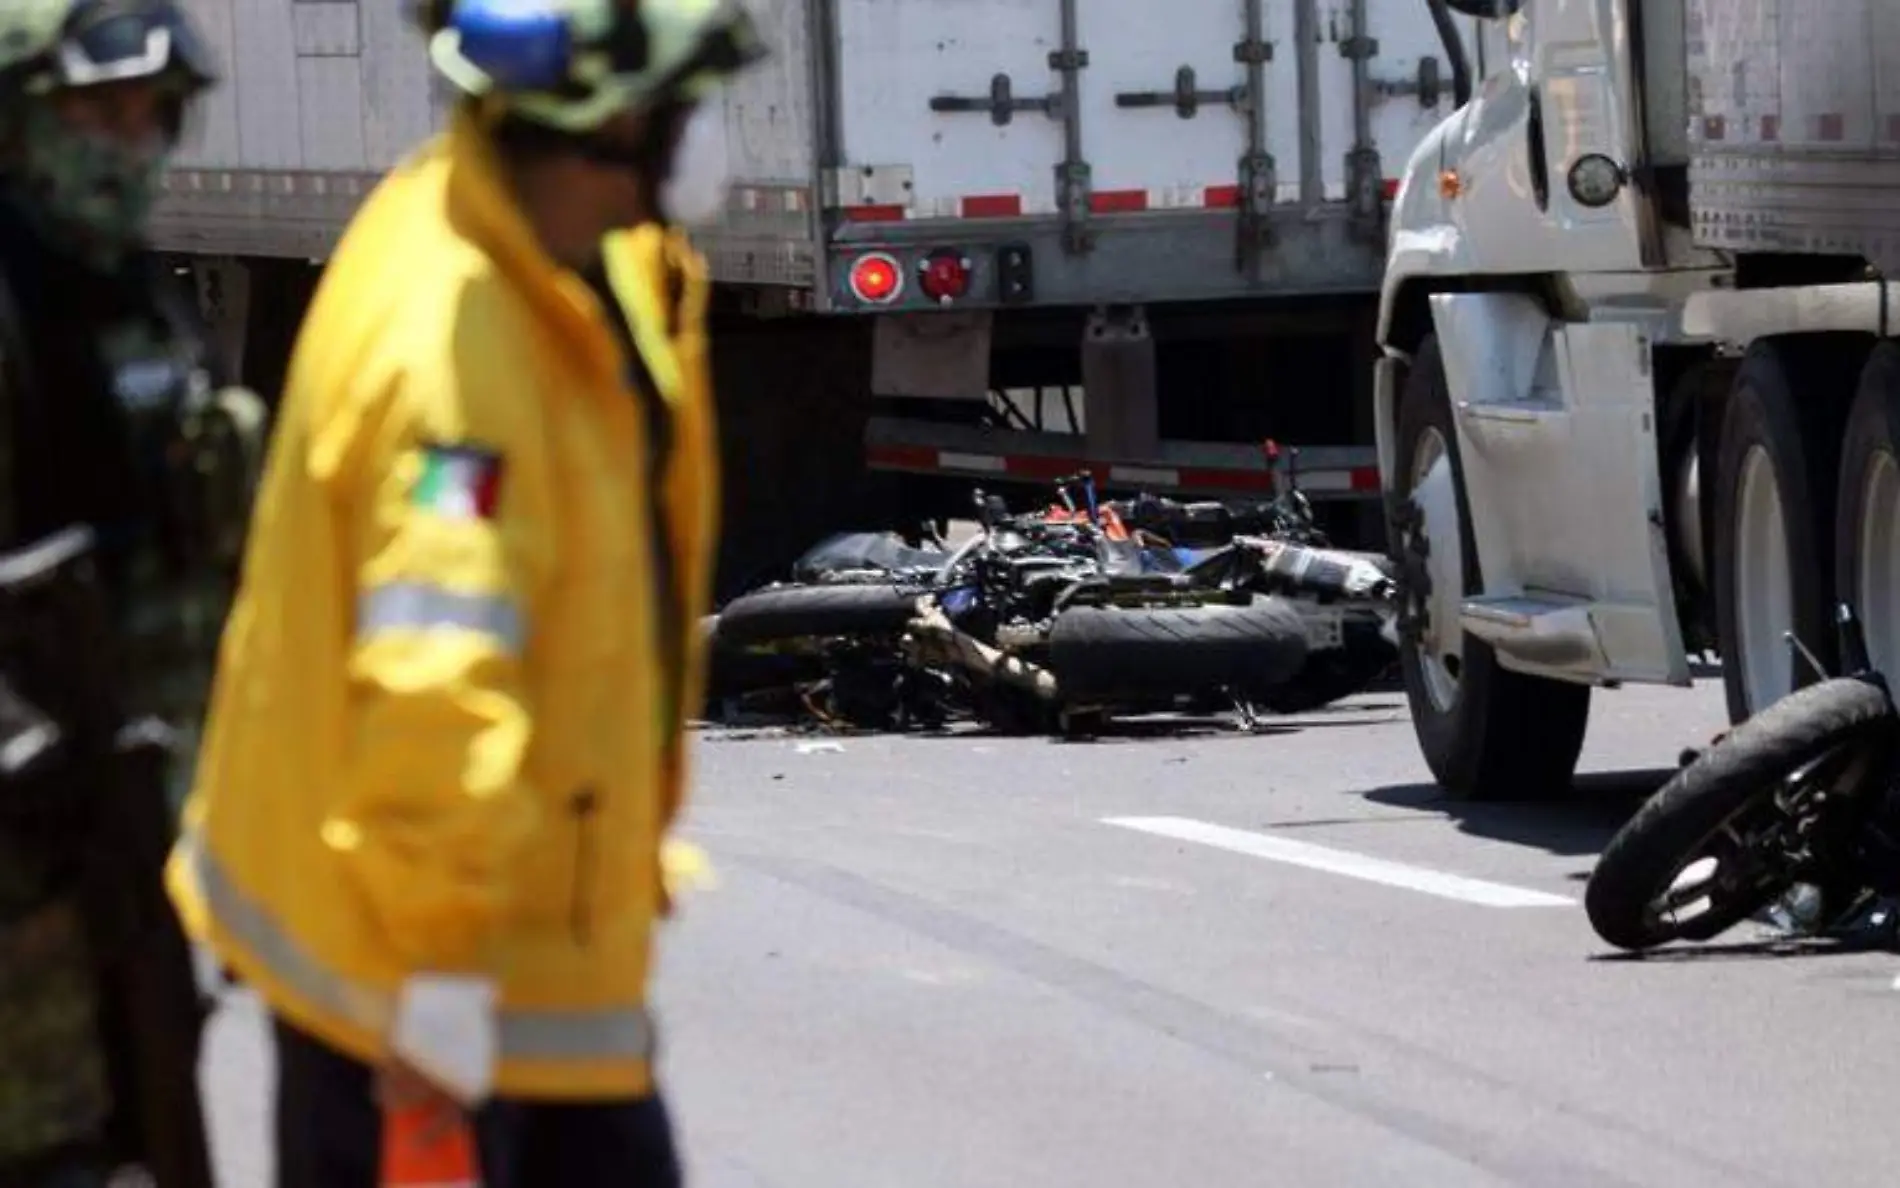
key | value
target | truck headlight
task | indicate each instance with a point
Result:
(1595, 180)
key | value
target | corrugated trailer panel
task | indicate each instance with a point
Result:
(886, 105)
(331, 98)
(1403, 40)
(1795, 126)
(403, 103)
(896, 56)
(771, 141)
(213, 135)
(1081, 152)
(960, 105)
(769, 117)
(311, 84)
(263, 70)
(321, 97)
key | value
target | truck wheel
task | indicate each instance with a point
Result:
(1486, 732)
(1867, 526)
(1684, 479)
(1772, 563)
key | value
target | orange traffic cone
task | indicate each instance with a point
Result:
(422, 1150)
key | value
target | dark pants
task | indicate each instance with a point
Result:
(72, 1167)
(329, 1132)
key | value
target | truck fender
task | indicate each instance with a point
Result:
(1387, 376)
(1492, 345)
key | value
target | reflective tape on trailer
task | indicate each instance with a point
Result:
(769, 200)
(1225, 196)
(983, 464)
(1340, 482)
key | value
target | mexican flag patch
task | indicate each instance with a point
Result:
(459, 482)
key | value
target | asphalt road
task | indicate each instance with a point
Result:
(1175, 958)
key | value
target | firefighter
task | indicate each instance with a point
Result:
(445, 742)
(114, 556)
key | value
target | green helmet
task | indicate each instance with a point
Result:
(88, 192)
(575, 64)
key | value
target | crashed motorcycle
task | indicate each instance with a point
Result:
(1791, 816)
(1058, 619)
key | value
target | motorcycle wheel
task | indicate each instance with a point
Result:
(1104, 654)
(1332, 674)
(1735, 806)
(780, 613)
(735, 673)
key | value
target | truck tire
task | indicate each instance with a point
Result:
(1109, 653)
(780, 613)
(1867, 521)
(1486, 732)
(1774, 563)
(1687, 467)
(1668, 834)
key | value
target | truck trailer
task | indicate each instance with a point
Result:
(991, 240)
(1639, 395)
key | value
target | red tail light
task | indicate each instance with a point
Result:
(944, 276)
(875, 279)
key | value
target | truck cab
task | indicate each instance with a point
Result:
(1627, 330)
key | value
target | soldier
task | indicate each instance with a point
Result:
(116, 557)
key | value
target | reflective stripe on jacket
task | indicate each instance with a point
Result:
(435, 741)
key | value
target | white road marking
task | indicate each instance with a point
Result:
(1343, 862)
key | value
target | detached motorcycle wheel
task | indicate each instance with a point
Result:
(1103, 653)
(1833, 736)
(805, 612)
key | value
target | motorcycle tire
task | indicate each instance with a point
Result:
(1667, 834)
(1101, 654)
(1332, 674)
(736, 671)
(780, 613)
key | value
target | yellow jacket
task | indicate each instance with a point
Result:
(445, 732)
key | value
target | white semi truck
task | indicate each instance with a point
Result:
(969, 239)
(1639, 392)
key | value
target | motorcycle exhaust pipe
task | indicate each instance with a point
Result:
(1328, 573)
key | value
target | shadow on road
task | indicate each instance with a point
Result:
(1134, 729)
(1756, 950)
(1573, 826)
(1172, 726)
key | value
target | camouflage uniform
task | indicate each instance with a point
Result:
(109, 420)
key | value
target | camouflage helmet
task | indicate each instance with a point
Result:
(575, 64)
